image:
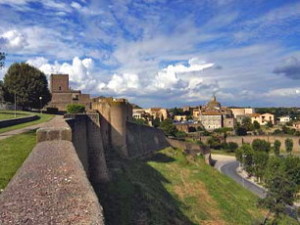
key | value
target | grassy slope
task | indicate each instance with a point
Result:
(13, 151)
(43, 118)
(174, 189)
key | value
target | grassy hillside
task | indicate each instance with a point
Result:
(13, 151)
(172, 188)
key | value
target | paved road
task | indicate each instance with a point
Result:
(23, 130)
(228, 165)
(230, 170)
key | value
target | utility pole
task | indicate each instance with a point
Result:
(41, 104)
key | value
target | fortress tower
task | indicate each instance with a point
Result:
(62, 95)
(114, 115)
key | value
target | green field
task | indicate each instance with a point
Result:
(13, 151)
(172, 188)
(43, 118)
(6, 115)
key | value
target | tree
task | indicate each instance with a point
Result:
(2, 59)
(244, 154)
(168, 127)
(281, 191)
(256, 125)
(289, 145)
(247, 124)
(232, 146)
(27, 84)
(277, 145)
(214, 142)
(260, 160)
(241, 131)
(269, 124)
(261, 145)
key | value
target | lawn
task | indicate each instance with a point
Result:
(172, 188)
(43, 118)
(13, 151)
(6, 115)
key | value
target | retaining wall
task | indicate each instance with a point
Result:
(249, 139)
(191, 148)
(51, 187)
(11, 122)
(144, 140)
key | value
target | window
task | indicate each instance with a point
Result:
(59, 88)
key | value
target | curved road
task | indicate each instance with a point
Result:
(230, 170)
(228, 166)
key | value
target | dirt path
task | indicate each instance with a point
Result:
(25, 129)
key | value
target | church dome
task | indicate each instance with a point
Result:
(213, 104)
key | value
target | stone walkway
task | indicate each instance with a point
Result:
(24, 129)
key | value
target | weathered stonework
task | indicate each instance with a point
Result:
(62, 95)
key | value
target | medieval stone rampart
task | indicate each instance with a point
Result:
(191, 148)
(51, 187)
(144, 140)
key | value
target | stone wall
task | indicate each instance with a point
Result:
(88, 142)
(51, 187)
(249, 139)
(11, 122)
(191, 148)
(144, 140)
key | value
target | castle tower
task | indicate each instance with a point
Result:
(114, 115)
(59, 83)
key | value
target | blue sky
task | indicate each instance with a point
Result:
(162, 52)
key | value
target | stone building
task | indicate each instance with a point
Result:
(158, 113)
(240, 112)
(262, 119)
(62, 94)
(211, 120)
(213, 115)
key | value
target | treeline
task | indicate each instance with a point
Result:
(293, 112)
(279, 174)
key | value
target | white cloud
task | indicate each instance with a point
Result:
(81, 72)
(284, 92)
(76, 5)
(14, 40)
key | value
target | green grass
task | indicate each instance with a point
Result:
(172, 188)
(7, 114)
(43, 118)
(13, 151)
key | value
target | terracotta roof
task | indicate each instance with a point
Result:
(254, 115)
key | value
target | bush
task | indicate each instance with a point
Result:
(52, 110)
(75, 108)
(232, 146)
(261, 145)
(214, 142)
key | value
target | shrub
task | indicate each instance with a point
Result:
(52, 110)
(75, 108)
(232, 146)
(261, 145)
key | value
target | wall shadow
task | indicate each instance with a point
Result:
(137, 196)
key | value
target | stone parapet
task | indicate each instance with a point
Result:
(51, 187)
